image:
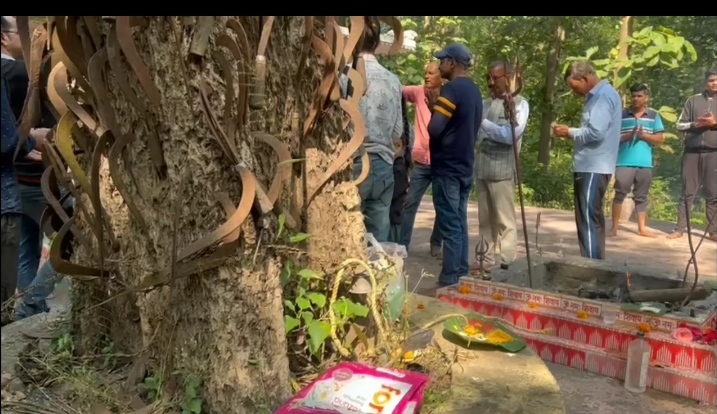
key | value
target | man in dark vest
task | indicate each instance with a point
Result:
(698, 123)
(28, 170)
(495, 167)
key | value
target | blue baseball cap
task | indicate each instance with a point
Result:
(457, 52)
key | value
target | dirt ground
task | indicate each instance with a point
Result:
(583, 391)
(557, 233)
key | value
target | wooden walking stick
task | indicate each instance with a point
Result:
(519, 178)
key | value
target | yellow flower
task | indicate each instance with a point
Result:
(464, 289)
(421, 306)
(644, 328)
(532, 305)
(497, 296)
(409, 356)
(498, 337)
(583, 315)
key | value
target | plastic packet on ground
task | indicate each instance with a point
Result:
(351, 388)
(389, 257)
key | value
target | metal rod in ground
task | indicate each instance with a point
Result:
(519, 179)
(522, 211)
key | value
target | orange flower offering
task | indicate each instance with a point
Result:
(644, 328)
(471, 330)
(497, 296)
(421, 306)
(464, 289)
(583, 315)
(532, 305)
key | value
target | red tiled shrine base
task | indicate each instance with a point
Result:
(584, 342)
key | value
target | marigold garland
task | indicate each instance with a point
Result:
(583, 315)
(464, 289)
(497, 296)
(644, 327)
(532, 305)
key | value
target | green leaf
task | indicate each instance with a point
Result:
(303, 303)
(290, 324)
(318, 299)
(282, 222)
(307, 317)
(666, 30)
(677, 42)
(621, 79)
(349, 309)
(289, 305)
(318, 332)
(194, 406)
(299, 237)
(591, 51)
(657, 38)
(668, 114)
(309, 274)
(651, 51)
(654, 61)
(644, 32)
(286, 273)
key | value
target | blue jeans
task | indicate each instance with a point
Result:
(33, 204)
(450, 197)
(35, 284)
(376, 193)
(420, 180)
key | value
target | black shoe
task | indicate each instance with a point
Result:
(504, 266)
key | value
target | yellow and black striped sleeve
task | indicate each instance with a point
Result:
(444, 107)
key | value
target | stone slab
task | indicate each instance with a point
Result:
(486, 380)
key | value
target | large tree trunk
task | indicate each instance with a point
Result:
(225, 324)
(551, 76)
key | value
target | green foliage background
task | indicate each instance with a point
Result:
(670, 54)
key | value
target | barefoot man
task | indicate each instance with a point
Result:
(641, 129)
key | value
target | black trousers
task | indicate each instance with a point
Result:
(698, 169)
(589, 191)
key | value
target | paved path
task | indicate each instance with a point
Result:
(582, 391)
(557, 232)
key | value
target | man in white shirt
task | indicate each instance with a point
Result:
(495, 167)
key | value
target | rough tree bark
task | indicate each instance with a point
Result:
(551, 76)
(226, 324)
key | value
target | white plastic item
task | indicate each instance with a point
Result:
(45, 254)
(638, 359)
(378, 253)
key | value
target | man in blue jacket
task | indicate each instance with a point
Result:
(597, 142)
(11, 206)
(452, 131)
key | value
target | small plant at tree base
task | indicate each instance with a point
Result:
(192, 403)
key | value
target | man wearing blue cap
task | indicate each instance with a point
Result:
(453, 129)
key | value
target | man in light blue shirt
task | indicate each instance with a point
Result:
(596, 146)
(641, 129)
